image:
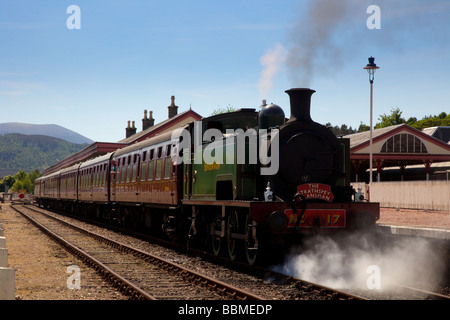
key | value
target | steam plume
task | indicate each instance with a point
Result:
(271, 62)
(343, 262)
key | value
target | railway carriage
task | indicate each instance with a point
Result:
(68, 183)
(145, 173)
(93, 180)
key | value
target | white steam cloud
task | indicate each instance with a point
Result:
(271, 62)
(345, 263)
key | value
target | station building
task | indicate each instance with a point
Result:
(411, 168)
(401, 153)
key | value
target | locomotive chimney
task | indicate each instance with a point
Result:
(300, 99)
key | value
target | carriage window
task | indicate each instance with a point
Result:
(143, 170)
(167, 162)
(123, 171)
(150, 170)
(105, 170)
(159, 164)
(135, 167)
(167, 167)
(158, 168)
(128, 177)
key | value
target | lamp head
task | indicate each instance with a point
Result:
(371, 65)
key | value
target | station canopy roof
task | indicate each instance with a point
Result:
(396, 146)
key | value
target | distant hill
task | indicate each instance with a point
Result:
(51, 130)
(30, 152)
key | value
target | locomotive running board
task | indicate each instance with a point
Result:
(218, 203)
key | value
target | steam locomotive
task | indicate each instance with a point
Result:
(243, 184)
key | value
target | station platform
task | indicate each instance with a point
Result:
(415, 223)
(442, 234)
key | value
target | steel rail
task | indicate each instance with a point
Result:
(214, 284)
(427, 294)
(301, 284)
(333, 294)
(113, 278)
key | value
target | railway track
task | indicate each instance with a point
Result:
(298, 288)
(286, 287)
(136, 273)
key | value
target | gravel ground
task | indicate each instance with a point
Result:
(415, 218)
(41, 265)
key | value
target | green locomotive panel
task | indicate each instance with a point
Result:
(224, 178)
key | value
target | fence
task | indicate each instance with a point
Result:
(430, 195)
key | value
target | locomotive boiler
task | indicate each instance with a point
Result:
(243, 184)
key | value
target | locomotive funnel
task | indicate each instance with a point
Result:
(300, 104)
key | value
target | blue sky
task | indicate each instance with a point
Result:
(131, 56)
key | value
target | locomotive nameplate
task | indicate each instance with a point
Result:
(316, 191)
(323, 218)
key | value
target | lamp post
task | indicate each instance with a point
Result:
(371, 68)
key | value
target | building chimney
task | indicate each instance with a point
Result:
(147, 122)
(173, 109)
(152, 121)
(129, 131)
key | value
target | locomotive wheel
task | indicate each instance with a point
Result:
(251, 248)
(215, 239)
(232, 227)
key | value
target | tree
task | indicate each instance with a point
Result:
(23, 185)
(220, 110)
(6, 182)
(363, 127)
(21, 181)
(34, 175)
(411, 121)
(391, 120)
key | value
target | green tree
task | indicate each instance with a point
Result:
(34, 175)
(442, 115)
(23, 184)
(363, 127)
(391, 120)
(6, 182)
(21, 181)
(220, 110)
(411, 121)
(20, 175)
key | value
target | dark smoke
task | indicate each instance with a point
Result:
(312, 46)
(327, 34)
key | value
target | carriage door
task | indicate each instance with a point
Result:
(113, 178)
